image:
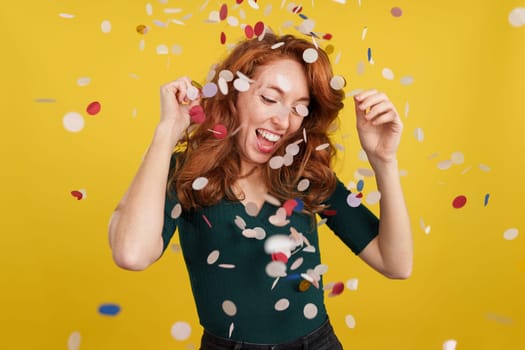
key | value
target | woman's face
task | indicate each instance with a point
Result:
(273, 107)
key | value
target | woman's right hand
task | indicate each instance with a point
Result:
(176, 100)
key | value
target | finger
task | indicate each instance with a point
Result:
(385, 118)
(364, 94)
(372, 100)
(378, 109)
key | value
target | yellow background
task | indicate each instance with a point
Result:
(467, 62)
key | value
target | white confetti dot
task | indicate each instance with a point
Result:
(192, 92)
(66, 15)
(484, 167)
(83, 81)
(74, 340)
(292, 149)
(387, 74)
(142, 44)
(276, 162)
(350, 321)
(226, 266)
(176, 49)
(517, 17)
(229, 308)
(277, 45)
(287, 159)
(73, 122)
(310, 55)
(450, 344)
(149, 9)
(337, 82)
(373, 197)
(241, 85)
(365, 172)
(240, 222)
(105, 26)
(510, 234)
(276, 269)
(303, 185)
(282, 304)
(297, 263)
(181, 331)
(457, 158)
(199, 183)
(321, 269)
(278, 243)
(251, 209)
(213, 257)
(260, 233)
(223, 86)
(322, 146)
(444, 164)
(253, 4)
(419, 134)
(162, 49)
(232, 21)
(407, 80)
(310, 311)
(176, 211)
(352, 284)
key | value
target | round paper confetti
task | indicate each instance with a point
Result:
(258, 28)
(517, 17)
(73, 342)
(83, 81)
(209, 90)
(213, 257)
(276, 269)
(109, 309)
(162, 49)
(105, 26)
(276, 162)
(373, 197)
(407, 80)
(199, 183)
(282, 304)
(337, 82)
(240, 222)
(459, 202)
(302, 110)
(350, 321)
(176, 211)
(396, 12)
(241, 85)
(142, 29)
(444, 164)
(419, 134)
(223, 38)
(292, 149)
(73, 122)
(93, 108)
(353, 201)
(310, 311)
(223, 12)
(510, 234)
(310, 55)
(248, 31)
(387, 74)
(450, 344)
(297, 263)
(352, 284)
(220, 131)
(229, 308)
(303, 185)
(251, 209)
(337, 288)
(180, 331)
(457, 158)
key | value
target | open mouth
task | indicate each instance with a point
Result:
(266, 140)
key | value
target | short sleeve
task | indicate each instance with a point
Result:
(355, 226)
(170, 212)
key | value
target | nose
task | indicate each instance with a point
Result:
(281, 117)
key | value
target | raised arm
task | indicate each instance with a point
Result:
(379, 128)
(135, 228)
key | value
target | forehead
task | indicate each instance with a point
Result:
(286, 74)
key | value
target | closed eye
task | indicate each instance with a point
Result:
(267, 100)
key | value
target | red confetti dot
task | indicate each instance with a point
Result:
(289, 205)
(93, 108)
(338, 288)
(223, 38)
(327, 36)
(329, 212)
(297, 9)
(359, 195)
(248, 31)
(220, 131)
(77, 194)
(239, 1)
(280, 257)
(258, 28)
(223, 13)
(197, 114)
(459, 202)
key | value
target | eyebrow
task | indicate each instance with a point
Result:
(282, 92)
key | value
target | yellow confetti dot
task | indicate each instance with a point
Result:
(142, 29)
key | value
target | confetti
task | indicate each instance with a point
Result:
(517, 17)
(83, 81)
(229, 308)
(199, 183)
(310, 311)
(93, 108)
(373, 197)
(181, 331)
(352, 284)
(396, 11)
(74, 340)
(162, 49)
(276, 162)
(303, 185)
(459, 202)
(241, 85)
(337, 82)
(387, 74)
(109, 309)
(223, 12)
(511, 234)
(248, 31)
(297, 263)
(322, 147)
(251, 209)
(457, 158)
(276, 269)
(337, 289)
(258, 28)
(310, 55)
(209, 90)
(350, 321)
(353, 201)
(227, 266)
(66, 15)
(197, 114)
(419, 134)
(407, 80)
(240, 222)
(450, 344)
(105, 26)
(80, 194)
(73, 122)
(444, 164)
(282, 304)
(486, 200)
(223, 38)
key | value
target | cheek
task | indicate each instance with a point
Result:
(296, 123)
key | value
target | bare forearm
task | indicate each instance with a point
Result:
(395, 235)
(136, 225)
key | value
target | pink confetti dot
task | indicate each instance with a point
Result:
(396, 11)
(223, 13)
(248, 31)
(197, 114)
(459, 202)
(220, 131)
(258, 28)
(93, 108)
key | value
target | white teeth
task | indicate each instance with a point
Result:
(268, 135)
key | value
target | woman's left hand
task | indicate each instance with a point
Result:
(378, 125)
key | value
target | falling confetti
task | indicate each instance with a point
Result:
(180, 331)
(73, 122)
(511, 234)
(105, 26)
(396, 11)
(459, 202)
(517, 17)
(74, 340)
(310, 311)
(199, 183)
(229, 308)
(93, 108)
(350, 321)
(109, 309)
(450, 344)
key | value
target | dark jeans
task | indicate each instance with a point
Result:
(323, 338)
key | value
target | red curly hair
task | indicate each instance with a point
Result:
(218, 159)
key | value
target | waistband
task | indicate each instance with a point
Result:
(306, 342)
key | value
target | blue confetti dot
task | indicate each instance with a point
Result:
(369, 54)
(487, 196)
(303, 16)
(294, 276)
(360, 185)
(109, 309)
(299, 206)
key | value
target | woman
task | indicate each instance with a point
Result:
(245, 186)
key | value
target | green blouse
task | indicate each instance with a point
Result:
(244, 292)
